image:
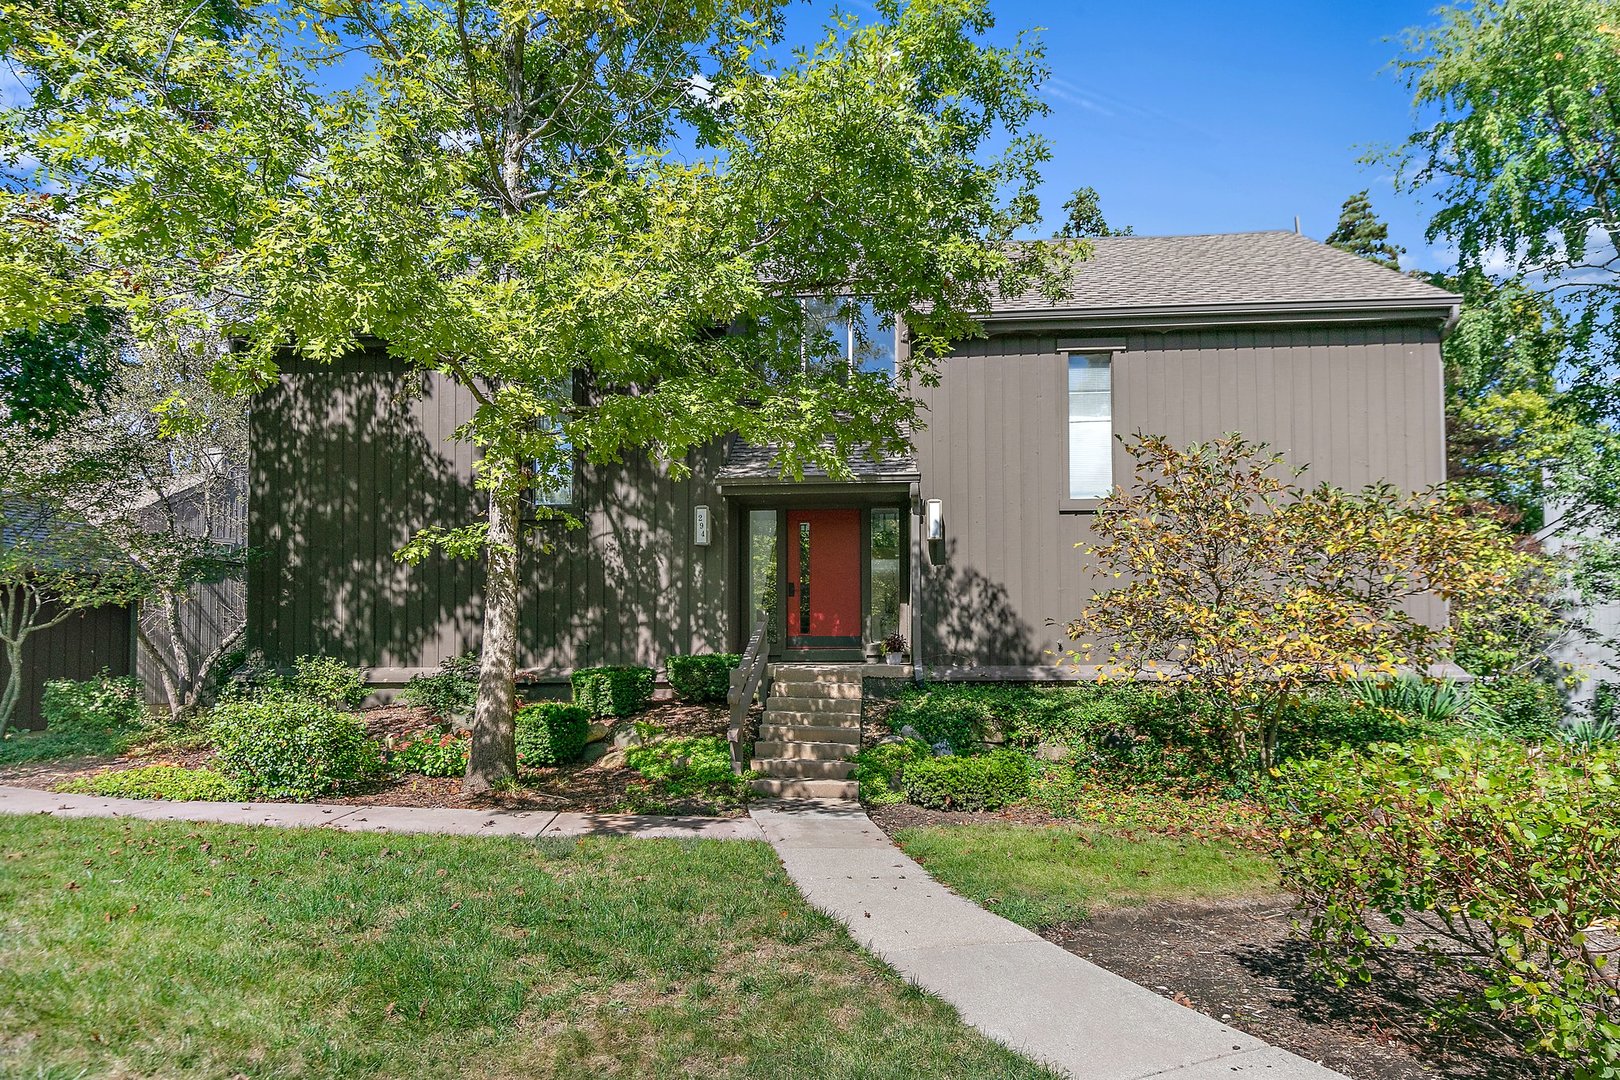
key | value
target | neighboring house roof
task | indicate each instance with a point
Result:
(1225, 272)
(752, 463)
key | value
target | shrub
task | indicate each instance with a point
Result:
(105, 703)
(551, 733)
(701, 677)
(688, 765)
(450, 691)
(1434, 701)
(157, 782)
(880, 770)
(986, 782)
(612, 691)
(1504, 852)
(431, 753)
(318, 679)
(1520, 707)
(293, 748)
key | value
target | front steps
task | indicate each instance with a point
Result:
(811, 727)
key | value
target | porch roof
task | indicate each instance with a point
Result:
(754, 463)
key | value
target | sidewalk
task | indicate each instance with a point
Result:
(1013, 985)
(391, 819)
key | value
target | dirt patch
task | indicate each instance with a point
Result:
(1241, 962)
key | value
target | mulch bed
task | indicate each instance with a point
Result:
(592, 788)
(1242, 963)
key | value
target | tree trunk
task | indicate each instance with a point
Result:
(492, 758)
(14, 683)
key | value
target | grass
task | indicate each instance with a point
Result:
(1045, 876)
(143, 949)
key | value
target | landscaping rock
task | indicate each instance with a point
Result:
(911, 733)
(1051, 752)
(597, 731)
(612, 759)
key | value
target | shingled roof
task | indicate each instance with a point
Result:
(753, 463)
(1232, 271)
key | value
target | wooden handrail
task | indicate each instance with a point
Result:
(745, 686)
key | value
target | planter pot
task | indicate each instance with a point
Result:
(895, 659)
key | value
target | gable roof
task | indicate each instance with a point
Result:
(1225, 272)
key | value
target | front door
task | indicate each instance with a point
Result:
(823, 579)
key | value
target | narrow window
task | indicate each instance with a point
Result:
(884, 617)
(762, 570)
(1091, 427)
(804, 577)
(555, 487)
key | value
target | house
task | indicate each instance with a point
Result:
(967, 546)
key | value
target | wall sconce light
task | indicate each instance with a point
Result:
(700, 526)
(935, 529)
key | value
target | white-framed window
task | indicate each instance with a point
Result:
(1091, 425)
(855, 331)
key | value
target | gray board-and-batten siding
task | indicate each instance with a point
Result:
(1359, 402)
(350, 459)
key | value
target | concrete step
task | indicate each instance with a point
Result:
(816, 690)
(804, 751)
(796, 769)
(805, 789)
(810, 719)
(850, 736)
(800, 703)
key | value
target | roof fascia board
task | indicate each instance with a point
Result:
(1190, 317)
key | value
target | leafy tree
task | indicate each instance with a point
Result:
(1253, 588)
(1085, 218)
(599, 219)
(1360, 232)
(52, 374)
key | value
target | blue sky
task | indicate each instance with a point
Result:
(1223, 117)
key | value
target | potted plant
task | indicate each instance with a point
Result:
(894, 648)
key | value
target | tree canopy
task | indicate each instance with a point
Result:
(601, 219)
(1084, 217)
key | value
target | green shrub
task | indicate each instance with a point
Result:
(105, 703)
(431, 753)
(448, 692)
(880, 770)
(1510, 849)
(702, 677)
(612, 691)
(293, 748)
(689, 765)
(1431, 701)
(157, 782)
(551, 733)
(318, 679)
(985, 782)
(1519, 707)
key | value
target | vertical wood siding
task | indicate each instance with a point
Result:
(1358, 404)
(78, 648)
(349, 460)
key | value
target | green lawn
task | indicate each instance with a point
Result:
(179, 950)
(1043, 876)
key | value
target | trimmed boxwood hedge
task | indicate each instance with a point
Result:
(701, 676)
(612, 691)
(291, 748)
(984, 782)
(551, 733)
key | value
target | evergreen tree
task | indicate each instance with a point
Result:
(1361, 233)
(1085, 218)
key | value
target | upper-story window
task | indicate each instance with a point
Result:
(854, 331)
(556, 489)
(1091, 426)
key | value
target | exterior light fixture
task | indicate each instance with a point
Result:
(936, 520)
(700, 526)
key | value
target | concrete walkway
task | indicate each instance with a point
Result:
(1013, 985)
(389, 819)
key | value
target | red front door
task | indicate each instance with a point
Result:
(824, 579)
